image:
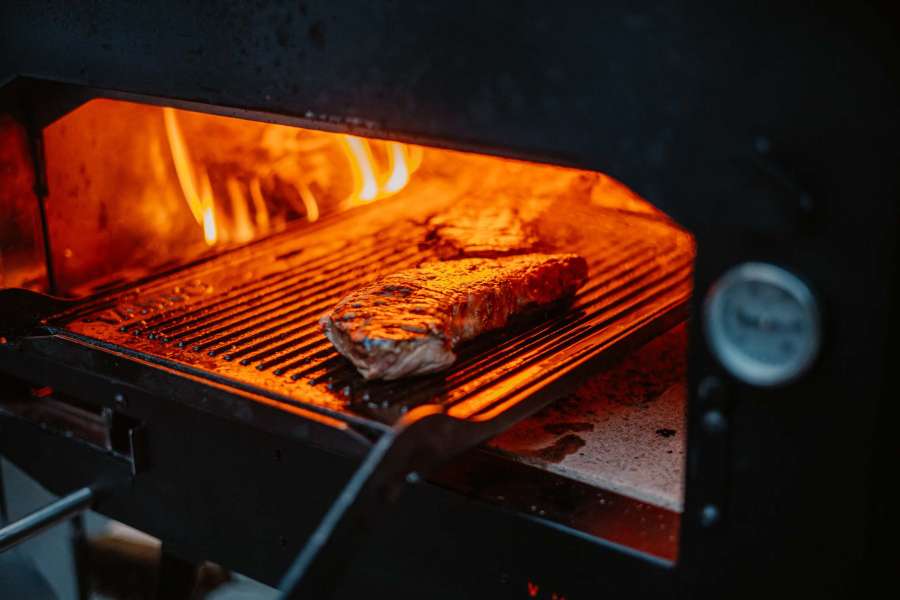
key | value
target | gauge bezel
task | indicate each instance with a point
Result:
(737, 362)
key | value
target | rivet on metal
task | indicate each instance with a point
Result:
(710, 388)
(714, 421)
(709, 515)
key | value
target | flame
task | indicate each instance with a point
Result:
(397, 165)
(200, 201)
(259, 204)
(378, 168)
(362, 165)
(309, 201)
(370, 180)
(242, 227)
(207, 209)
(209, 225)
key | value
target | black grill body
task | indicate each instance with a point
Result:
(766, 131)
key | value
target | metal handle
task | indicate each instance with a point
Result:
(427, 441)
(30, 525)
(4, 516)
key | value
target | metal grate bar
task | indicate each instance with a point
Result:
(236, 305)
(165, 318)
(265, 312)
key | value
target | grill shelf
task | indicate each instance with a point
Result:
(249, 319)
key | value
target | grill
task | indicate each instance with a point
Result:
(194, 393)
(250, 317)
(248, 320)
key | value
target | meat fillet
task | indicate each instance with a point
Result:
(481, 232)
(410, 322)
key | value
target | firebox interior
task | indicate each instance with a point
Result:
(210, 245)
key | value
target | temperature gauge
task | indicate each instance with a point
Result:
(762, 323)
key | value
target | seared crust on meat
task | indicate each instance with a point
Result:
(481, 232)
(408, 323)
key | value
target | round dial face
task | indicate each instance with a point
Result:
(762, 323)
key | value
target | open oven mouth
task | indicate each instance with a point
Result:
(210, 246)
(252, 315)
(277, 223)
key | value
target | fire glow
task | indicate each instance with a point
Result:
(378, 169)
(372, 182)
(199, 200)
(157, 185)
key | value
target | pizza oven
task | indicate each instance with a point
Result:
(185, 190)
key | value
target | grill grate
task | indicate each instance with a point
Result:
(251, 316)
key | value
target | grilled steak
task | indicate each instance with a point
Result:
(475, 231)
(410, 322)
